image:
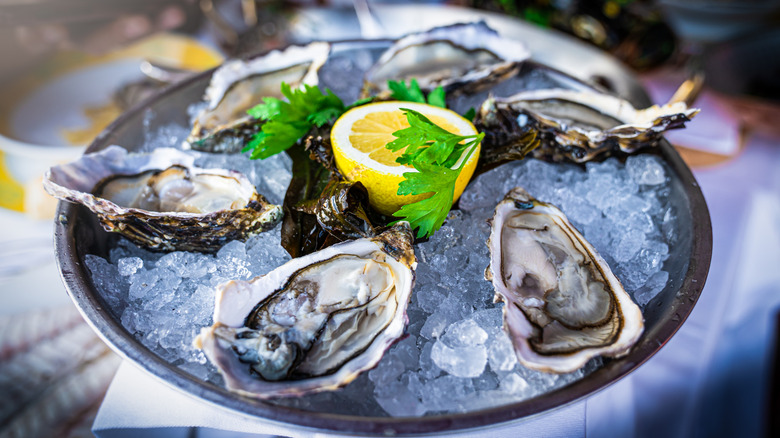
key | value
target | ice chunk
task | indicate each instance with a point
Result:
(387, 371)
(459, 361)
(398, 400)
(655, 284)
(129, 265)
(143, 282)
(501, 353)
(646, 169)
(445, 393)
(628, 245)
(112, 286)
(465, 333)
(516, 385)
(489, 319)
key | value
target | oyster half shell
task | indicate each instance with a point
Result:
(563, 305)
(458, 57)
(238, 85)
(315, 323)
(161, 201)
(580, 126)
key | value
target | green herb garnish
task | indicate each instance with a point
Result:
(433, 151)
(413, 93)
(430, 149)
(286, 122)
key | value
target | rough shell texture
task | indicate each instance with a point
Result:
(240, 84)
(238, 300)
(563, 305)
(457, 57)
(166, 231)
(579, 126)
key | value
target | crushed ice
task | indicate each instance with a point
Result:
(456, 357)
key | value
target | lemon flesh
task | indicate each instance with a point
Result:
(359, 137)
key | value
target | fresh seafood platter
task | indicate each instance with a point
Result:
(408, 236)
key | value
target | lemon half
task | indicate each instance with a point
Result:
(359, 137)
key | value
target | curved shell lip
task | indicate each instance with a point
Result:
(473, 36)
(55, 186)
(631, 318)
(239, 69)
(632, 119)
(236, 299)
(226, 76)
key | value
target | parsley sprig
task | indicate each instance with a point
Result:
(433, 151)
(287, 121)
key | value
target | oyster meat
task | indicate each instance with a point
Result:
(563, 305)
(316, 322)
(223, 125)
(579, 126)
(161, 201)
(459, 57)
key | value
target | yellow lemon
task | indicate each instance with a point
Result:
(359, 137)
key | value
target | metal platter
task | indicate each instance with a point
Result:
(77, 234)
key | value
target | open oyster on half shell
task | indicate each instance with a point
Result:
(459, 57)
(161, 201)
(579, 125)
(238, 85)
(563, 305)
(315, 323)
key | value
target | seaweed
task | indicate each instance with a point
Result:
(321, 207)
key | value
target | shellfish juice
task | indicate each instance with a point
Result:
(455, 357)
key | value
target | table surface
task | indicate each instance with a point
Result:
(710, 379)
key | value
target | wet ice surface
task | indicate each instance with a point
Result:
(456, 357)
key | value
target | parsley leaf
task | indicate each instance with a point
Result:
(286, 122)
(426, 215)
(470, 114)
(413, 93)
(436, 97)
(433, 151)
(424, 141)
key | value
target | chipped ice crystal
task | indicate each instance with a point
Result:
(501, 354)
(129, 265)
(466, 361)
(646, 169)
(465, 333)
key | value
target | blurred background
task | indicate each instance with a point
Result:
(72, 66)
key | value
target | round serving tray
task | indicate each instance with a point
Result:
(77, 233)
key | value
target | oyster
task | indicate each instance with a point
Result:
(316, 322)
(461, 57)
(580, 126)
(160, 201)
(563, 305)
(236, 86)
